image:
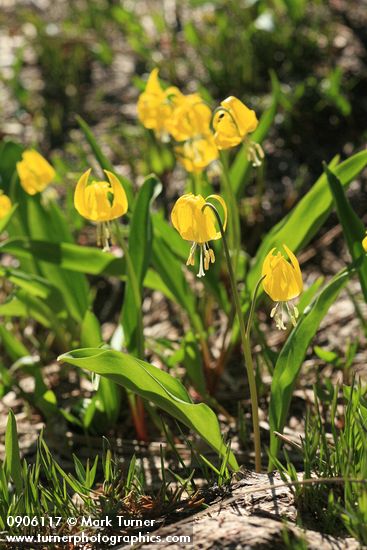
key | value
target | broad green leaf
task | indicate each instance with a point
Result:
(38, 221)
(353, 229)
(170, 270)
(12, 455)
(72, 285)
(241, 167)
(291, 357)
(140, 250)
(72, 257)
(306, 218)
(102, 159)
(35, 285)
(156, 386)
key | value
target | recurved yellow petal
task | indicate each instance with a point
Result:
(79, 194)
(119, 204)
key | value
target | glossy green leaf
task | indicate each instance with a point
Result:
(353, 228)
(13, 466)
(289, 363)
(156, 386)
(306, 218)
(72, 257)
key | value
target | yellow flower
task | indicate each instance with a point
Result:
(101, 202)
(197, 153)
(5, 205)
(190, 118)
(197, 226)
(34, 172)
(283, 282)
(232, 122)
(155, 105)
(364, 243)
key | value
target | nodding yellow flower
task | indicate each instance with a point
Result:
(155, 105)
(5, 205)
(101, 202)
(197, 226)
(34, 172)
(197, 153)
(283, 282)
(232, 122)
(364, 243)
(190, 118)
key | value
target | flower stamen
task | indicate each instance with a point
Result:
(201, 267)
(255, 153)
(191, 258)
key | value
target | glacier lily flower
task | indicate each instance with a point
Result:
(197, 226)
(232, 122)
(155, 106)
(34, 172)
(100, 202)
(282, 282)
